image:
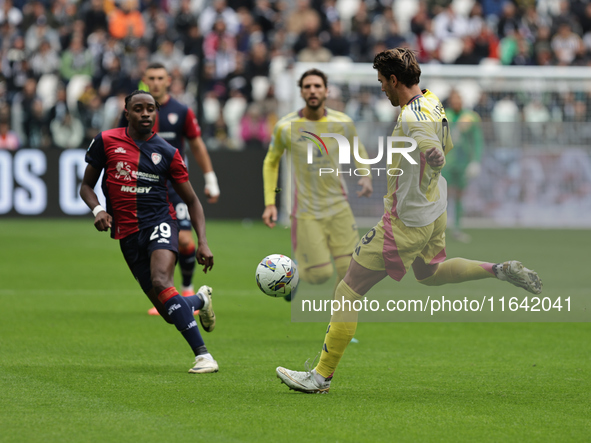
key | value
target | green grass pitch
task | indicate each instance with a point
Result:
(81, 361)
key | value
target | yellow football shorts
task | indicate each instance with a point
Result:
(392, 246)
(315, 241)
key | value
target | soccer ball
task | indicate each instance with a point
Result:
(277, 275)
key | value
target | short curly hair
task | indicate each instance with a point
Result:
(136, 92)
(400, 62)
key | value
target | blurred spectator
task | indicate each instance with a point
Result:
(215, 37)
(509, 20)
(448, 24)
(362, 44)
(91, 114)
(254, 131)
(94, 18)
(193, 41)
(65, 14)
(314, 52)
(60, 107)
(10, 14)
(486, 44)
(258, 63)
(418, 23)
(524, 54)
(249, 33)
(113, 80)
(468, 55)
(338, 44)
(565, 16)
(162, 32)
(240, 79)
(184, 18)
(265, 16)
(14, 65)
(362, 109)
(22, 108)
(169, 55)
(76, 60)
(219, 11)
(302, 16)
(566, 44)
(45, 61)
(34, 10)
(127, 22)
(39, 32)
(393, 38)
(475, 20)
(585, 19)
(428, 44)
(67, 133)
(8, 139)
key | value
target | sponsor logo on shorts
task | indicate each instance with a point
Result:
(163, 240)
(136, 189)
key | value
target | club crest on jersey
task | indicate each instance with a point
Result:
(156, 158)
(173, 118)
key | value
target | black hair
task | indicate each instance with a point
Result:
(137, 92)
(156, 65)
(313, 71)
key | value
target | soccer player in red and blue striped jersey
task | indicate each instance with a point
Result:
(137, 166)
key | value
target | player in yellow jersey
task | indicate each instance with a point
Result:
(323, 225)
(411, 232)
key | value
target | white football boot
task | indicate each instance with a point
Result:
(206, 314)
(307, 381)
(204, 365)
(517, 274)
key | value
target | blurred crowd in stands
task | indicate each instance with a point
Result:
(66, 65)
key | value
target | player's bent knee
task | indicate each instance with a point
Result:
(316, 275)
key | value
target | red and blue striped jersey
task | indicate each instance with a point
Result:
(135, 178)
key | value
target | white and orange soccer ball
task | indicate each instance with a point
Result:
(277, 275)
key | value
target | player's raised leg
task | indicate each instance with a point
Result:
(458, 270)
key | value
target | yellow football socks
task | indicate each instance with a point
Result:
(341, 330)
(458, 270)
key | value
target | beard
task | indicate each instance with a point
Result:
(319, 104)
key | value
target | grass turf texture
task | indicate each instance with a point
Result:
(80, 360)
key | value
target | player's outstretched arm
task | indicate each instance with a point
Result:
(212, 190)
(102, 220)
(203, 253)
